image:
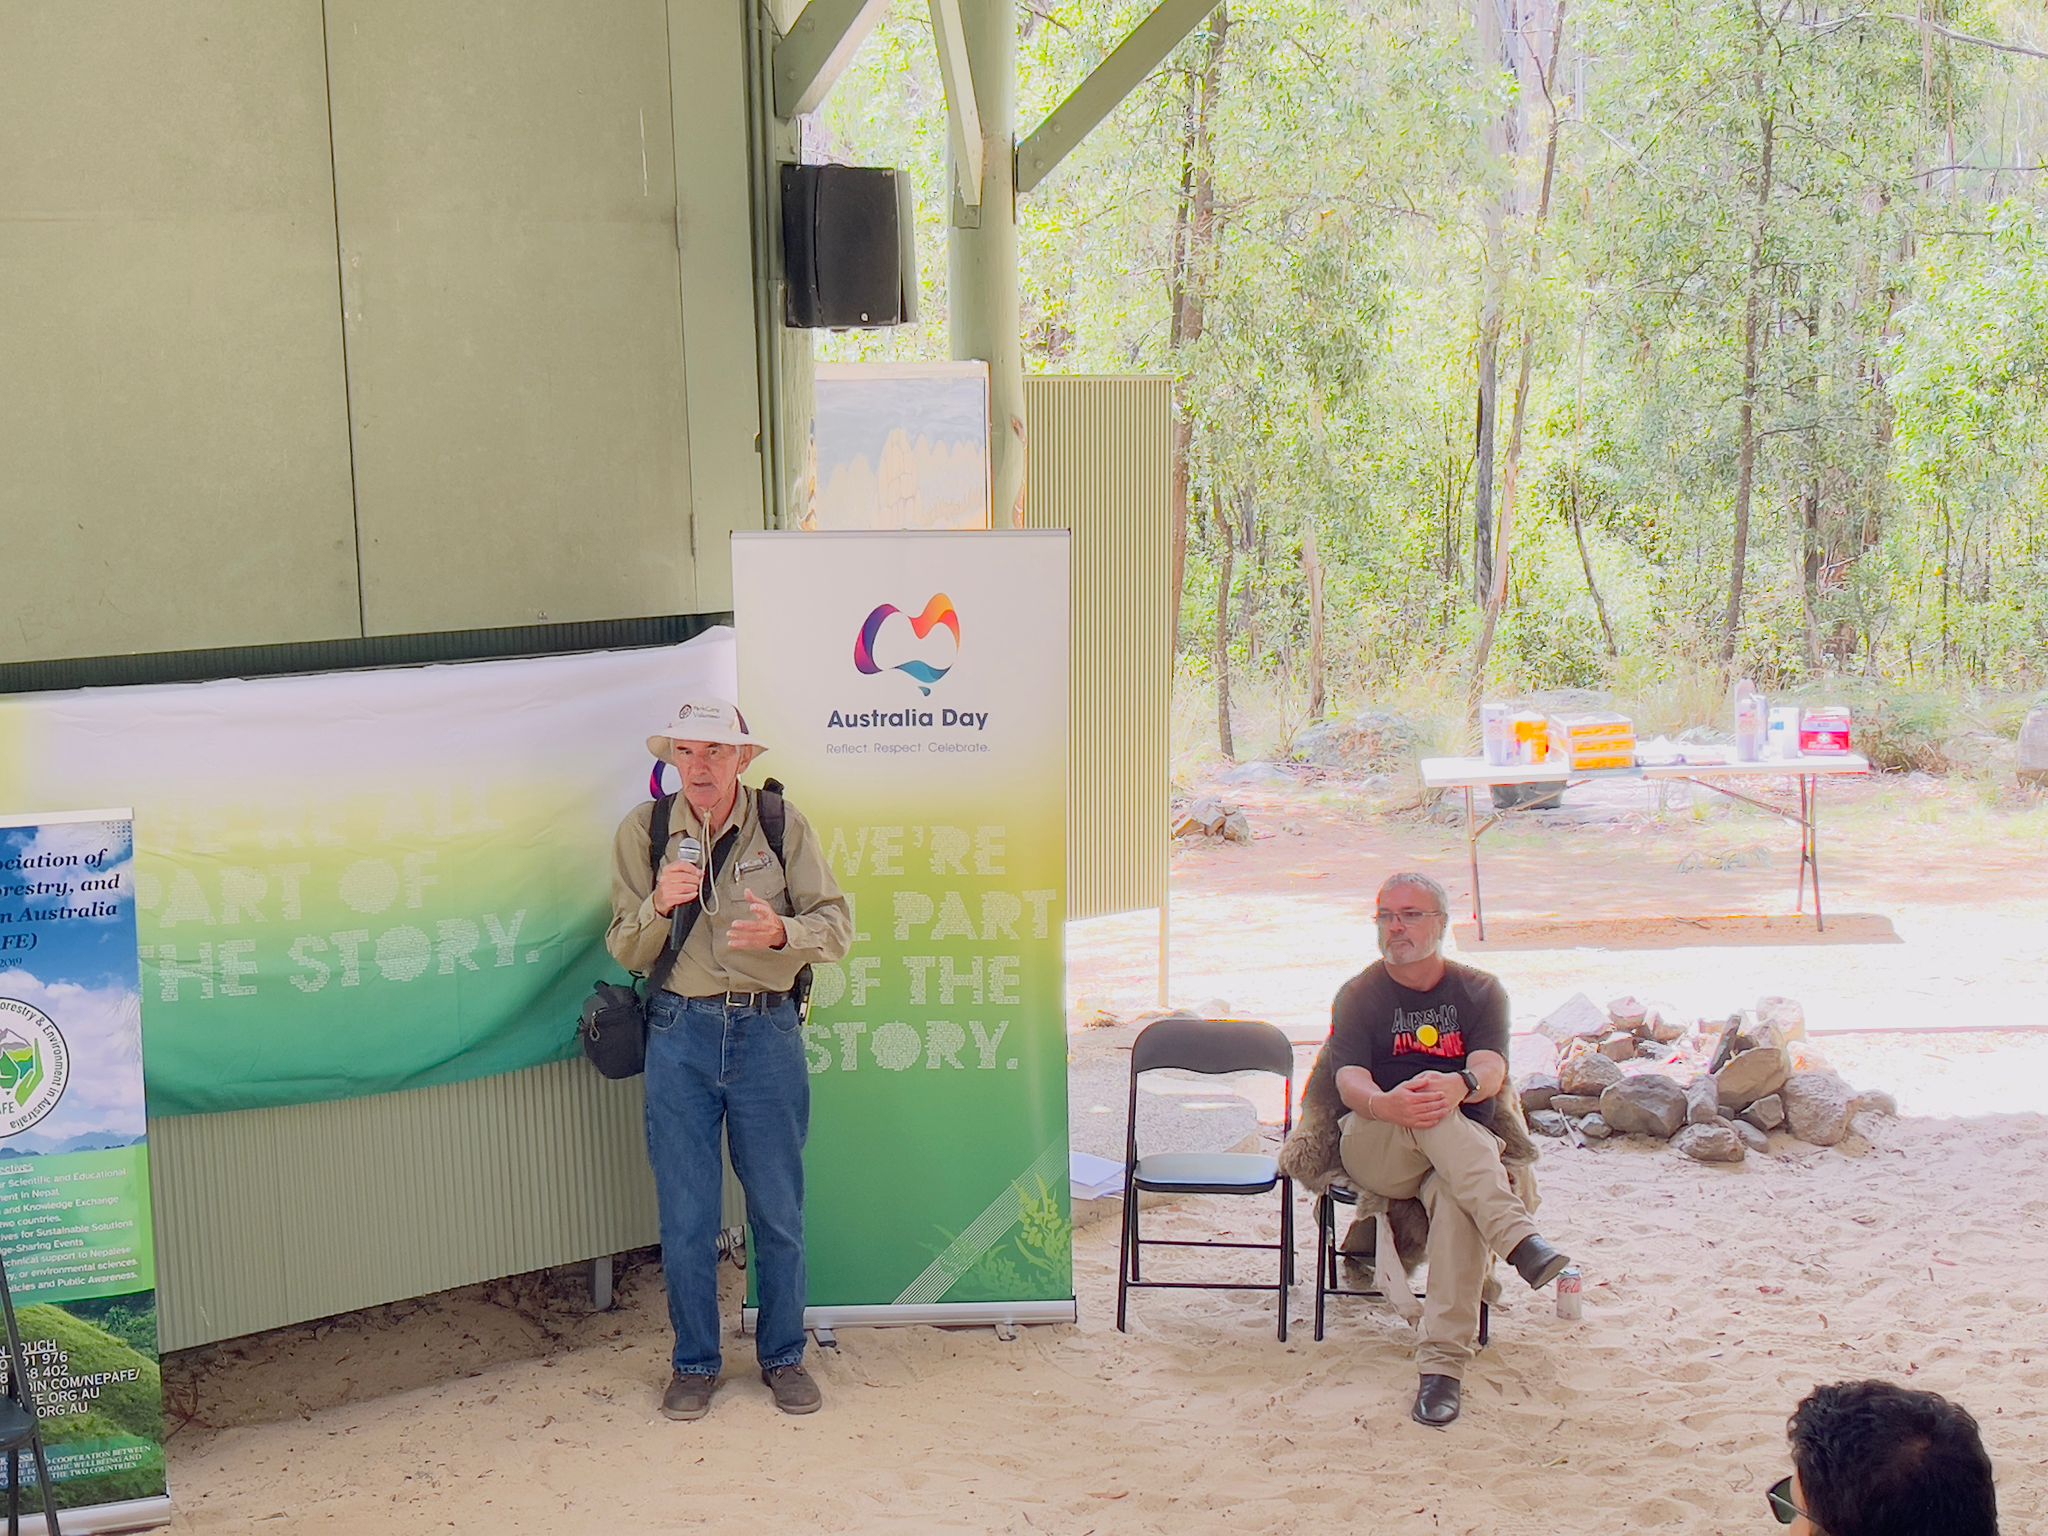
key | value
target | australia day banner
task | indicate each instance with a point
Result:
(74, 1162)
(912, 689)
(354, 883)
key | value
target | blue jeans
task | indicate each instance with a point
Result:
(709, 1064)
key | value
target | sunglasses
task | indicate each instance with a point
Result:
(1779, 1497)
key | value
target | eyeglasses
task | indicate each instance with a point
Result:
(1405, 919)
(1783, 1510)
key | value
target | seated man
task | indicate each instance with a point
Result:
(1873, 1459)
(1418, 1054)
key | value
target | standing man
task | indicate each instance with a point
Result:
(1418, 1054)
(724, 1046)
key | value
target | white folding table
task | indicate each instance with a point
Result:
(1471, 773)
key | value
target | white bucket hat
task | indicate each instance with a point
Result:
(704, 720)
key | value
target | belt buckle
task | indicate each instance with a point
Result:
(742, 999)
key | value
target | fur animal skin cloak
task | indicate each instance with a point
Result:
(1310, 1157)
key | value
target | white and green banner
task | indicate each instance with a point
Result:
(913, 691)
(74, 1164)
(358, 882)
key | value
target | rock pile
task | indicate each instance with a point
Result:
(1371, 739)
(1715, 1089)
(1210, 818)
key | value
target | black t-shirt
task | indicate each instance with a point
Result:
(1396, 1033)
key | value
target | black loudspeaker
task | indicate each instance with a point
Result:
(848, 254)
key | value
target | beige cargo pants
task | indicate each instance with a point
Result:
(1454, 1168)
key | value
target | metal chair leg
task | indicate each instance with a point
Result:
(1123, 1252)
(49, 1488)
(1137, 1247)
(1286, 1253)
(1322, 1264)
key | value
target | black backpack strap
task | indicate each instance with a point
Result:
(774, 813)
(657, 832)
(657, 847)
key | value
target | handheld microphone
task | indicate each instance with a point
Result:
(690, 851)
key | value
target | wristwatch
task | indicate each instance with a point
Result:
(1471, 1084)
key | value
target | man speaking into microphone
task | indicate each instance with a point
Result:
(746, 901)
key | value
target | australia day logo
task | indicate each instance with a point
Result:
(927, 660)
(35, 1066)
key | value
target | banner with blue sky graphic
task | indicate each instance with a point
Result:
(75, 1220)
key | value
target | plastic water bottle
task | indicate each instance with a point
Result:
(1750, 720)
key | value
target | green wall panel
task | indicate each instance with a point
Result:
(1100, 466)
(269, 1217)
(506, 189)
(172, 415)
(714, 209)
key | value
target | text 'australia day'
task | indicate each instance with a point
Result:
(914, 719)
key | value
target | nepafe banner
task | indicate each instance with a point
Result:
(357, 882)
(912, 689)
(75, 1220)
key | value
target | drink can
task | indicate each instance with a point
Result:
(1571, 1287)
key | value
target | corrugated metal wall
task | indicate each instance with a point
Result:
(272, 1216)
(1099, 467)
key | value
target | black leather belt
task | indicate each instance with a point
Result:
(746, 999)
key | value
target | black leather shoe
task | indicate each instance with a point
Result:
(1436, 1401)
(1537, 1262)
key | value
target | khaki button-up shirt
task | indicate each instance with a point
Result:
(815, 916)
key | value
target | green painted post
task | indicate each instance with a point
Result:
(981, 254)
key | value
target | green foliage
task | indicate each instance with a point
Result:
(135, 1407)
(131, 1318)
(1038, 1254)
(1901, 728)
(1361, 163)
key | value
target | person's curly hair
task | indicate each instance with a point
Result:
(1876, 1459)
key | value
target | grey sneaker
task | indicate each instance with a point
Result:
(688, 1397)
(795, 1391)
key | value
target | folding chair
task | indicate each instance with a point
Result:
(1210, 1047)
(19, 1426)
(1328, 1257)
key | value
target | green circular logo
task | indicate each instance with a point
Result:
(35, 1065)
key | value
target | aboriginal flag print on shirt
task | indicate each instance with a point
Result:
(1396, 1033)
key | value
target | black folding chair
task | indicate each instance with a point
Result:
(19, 1425)
(1330, 1283)
(1208, 1046)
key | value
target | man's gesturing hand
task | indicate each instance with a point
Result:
(761, 928)
(1417, 1104)
(679, 883)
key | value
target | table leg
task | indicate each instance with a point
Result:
(1805, 843)
(1472, 852)
(1813, 846)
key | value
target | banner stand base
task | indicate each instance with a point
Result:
(938, 1314)
(104, 1519)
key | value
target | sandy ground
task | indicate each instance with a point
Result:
(1715, 1296)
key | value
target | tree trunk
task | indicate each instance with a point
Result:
(1500, 34)
(1752, 320)
(1225, 564)
(1807, 564)
(1312, 574)
(1482, 437)
(1586, 561)
(1252, 540)
(1578, 525)
(1497, 598)
(1194, 228)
